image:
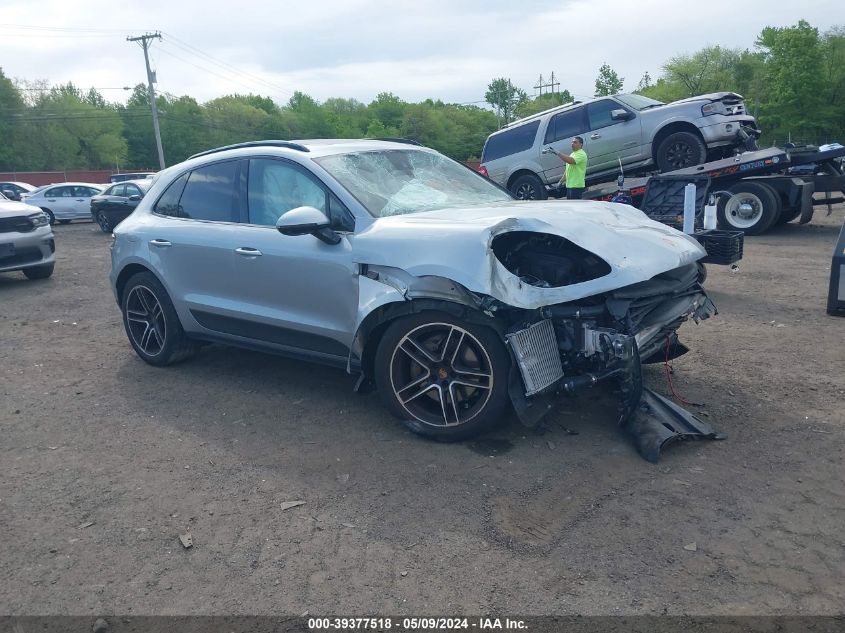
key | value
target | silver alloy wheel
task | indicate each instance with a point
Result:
(441, 374)
(145, 320)
(743, 210)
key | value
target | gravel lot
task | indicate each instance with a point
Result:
(106, 460)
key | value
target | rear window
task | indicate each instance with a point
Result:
(510, 141)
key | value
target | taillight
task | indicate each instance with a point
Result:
(483, 171)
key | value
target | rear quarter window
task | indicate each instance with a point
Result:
(511, 141)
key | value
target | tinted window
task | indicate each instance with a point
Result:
(211, 193)
(132, 190)
(511, 141)
(599, 113)
(565, 125)
(117, 190)
(168, 203)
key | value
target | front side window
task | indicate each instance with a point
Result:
(276, 187)
(396, 182)
(599, 113)
(59, 192)
(211, 193)
(116, 190)
(132, 190)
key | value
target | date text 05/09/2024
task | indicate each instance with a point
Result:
(415, 624)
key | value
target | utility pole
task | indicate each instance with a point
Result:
(145, 44)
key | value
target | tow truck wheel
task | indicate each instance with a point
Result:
(753, 208)
(528, 187)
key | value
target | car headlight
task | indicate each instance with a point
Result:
(39, 219)
(717, 107)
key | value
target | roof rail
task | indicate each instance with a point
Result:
(273, 143)
(407, 141)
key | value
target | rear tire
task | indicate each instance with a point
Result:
(528, 187)
(445, 378)
(39, 272)
(103, 222)
(680, 150)
(151, 322)
(753, 208)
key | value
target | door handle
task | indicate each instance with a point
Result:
(160, 243)
(595, 136)
(248, 252)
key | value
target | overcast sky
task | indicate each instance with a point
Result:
(439, 49)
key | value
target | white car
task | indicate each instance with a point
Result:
(65, 201)
(26, 240)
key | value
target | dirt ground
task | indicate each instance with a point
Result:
(106, 460)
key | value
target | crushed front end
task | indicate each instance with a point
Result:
(563, 348)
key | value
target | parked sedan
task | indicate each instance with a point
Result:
(110, 208)
(13, 189)
(66, 201)
(394, 262)
(26, 240)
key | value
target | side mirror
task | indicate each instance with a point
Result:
(11, 195)
(620, 115)
(135, 198)
(307, 221)
(620, 181)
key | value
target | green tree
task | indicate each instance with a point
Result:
(543, 102)
(608, 82)
(12, 109)
(505, 98)
(644, 84)
(711, 69)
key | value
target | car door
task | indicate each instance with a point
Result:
(192, 243)
(293, 291)
(609, 139)
(60, 201)
(111, 200)
(562, 127)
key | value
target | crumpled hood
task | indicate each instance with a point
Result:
(456, 243)
(12, 209)
(710, 96)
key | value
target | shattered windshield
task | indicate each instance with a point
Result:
(396, 182)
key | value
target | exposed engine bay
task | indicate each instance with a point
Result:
(565, 347)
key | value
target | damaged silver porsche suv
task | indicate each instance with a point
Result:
(428, 281)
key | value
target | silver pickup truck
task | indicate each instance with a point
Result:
(641, 133)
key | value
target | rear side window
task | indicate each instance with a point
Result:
(565, 125)
(168, 204)
(117, 190)
(211, 194)
(510, 141)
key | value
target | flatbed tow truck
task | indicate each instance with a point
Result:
(763, 188)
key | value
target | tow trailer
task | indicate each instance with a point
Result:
(765, 188)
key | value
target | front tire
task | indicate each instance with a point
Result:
(528, 187)
(753, 208)
(39, 272)
(445, 378)
(680, 150)
(49, 215)
(151, 322)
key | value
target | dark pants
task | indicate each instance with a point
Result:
(574, 194)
